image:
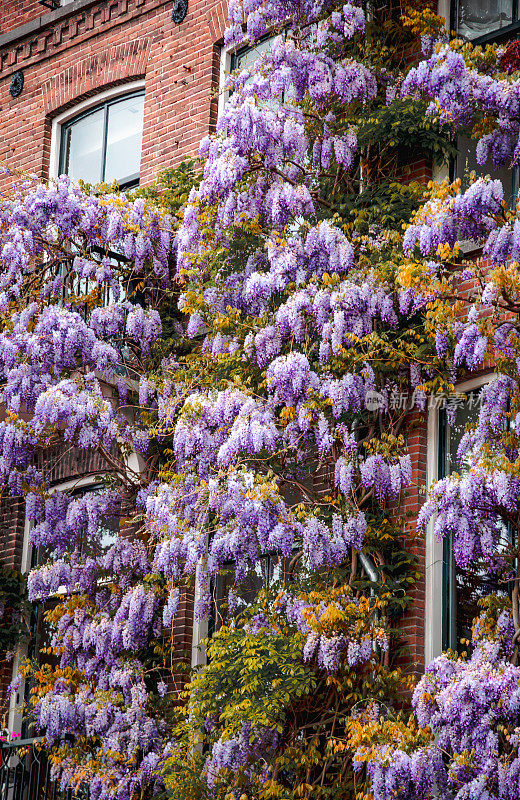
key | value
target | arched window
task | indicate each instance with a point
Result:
(103, 143)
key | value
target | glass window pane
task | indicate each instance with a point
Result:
(477, 17)
(84, 148)
(108, 531)
(467, 163)
(124, 140)
(246, 57)
(266, 572)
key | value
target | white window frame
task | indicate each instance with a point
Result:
(226, 57)
(200, 630)
(80, 108)
(433, 568)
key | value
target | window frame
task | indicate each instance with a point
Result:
(468, 246)
(497, 35)
(228, 56)
(15, 718)
(54, 5)
(515, 173)
(81, 110)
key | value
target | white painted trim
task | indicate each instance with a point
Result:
(433, 556)
(226, 54)
(200, 630)
(26, 548)
(14, 721)
(434, 547)
(91, 102)
(444, 10)
(15, 717)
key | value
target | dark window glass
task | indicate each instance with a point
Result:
(466, 162)
(104, 144)
(41, 633)
(248, 55)
(479, 17)
(269, 570)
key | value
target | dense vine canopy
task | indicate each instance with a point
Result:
(236, 360)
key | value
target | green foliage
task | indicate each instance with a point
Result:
(13, 608)
(251, 677)
(172, 187)
(257, 676)
(404, 126)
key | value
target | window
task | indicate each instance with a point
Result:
(269, 570)
(247, 56)
(103, 144)
(462, 589)
(476, 18)
(466, 162)
(239, 59)
(107, 531)
(41, 630)
(41, 633)
(108, 528)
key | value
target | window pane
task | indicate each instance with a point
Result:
(124, 140)
(477, 17)
(269, 570)
(246, 57)
(464, 588)
(108, 531)
(467, 162)
(84, 148)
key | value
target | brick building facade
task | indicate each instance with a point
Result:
(57, 67)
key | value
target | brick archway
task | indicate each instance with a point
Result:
(115, 64)
(217, 21)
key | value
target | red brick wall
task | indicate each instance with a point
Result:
(77, 55)
(14, 14)
(412, 624)
(102, 45)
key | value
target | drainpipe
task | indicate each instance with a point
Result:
(368, 566)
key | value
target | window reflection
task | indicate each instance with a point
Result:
(84, 148)
(124, 140)
(248, 56)
(479, 17)
(462, 589)
(104, 144)
(266, 572)
(466, 162)
(108, 528)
